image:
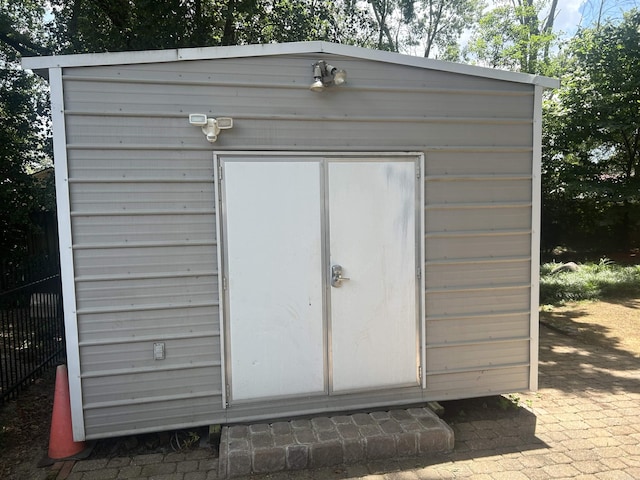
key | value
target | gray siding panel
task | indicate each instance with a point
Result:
(283, 133)
(454, 218)
(164, 414)
(145, 246)
(132, 356)
(128, 326)
(124, 261)
(453, 329)
(473, 356)
(151, 229)
(485, 273)
(465, 302)
(477, 245)
(479, 383)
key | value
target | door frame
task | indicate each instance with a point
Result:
(221, 157)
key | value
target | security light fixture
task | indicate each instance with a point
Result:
(210, 126)
(325, 75)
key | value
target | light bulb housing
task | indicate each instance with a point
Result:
(325, 75)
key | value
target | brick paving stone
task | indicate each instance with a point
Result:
(353, 450)
(342, 420)
(195, 476)
(283, 440)
(281, 428)
(119, 462)
(89, 465)
(614, 475)
(147, 459)
(509, 475)
(131, 471)
(238, 431)
(297, 457)
(560, 471)
(379, 416)
(187, 466)
(363, 419)
(325, 454)
(101, 474)
(270, 459)
(259, 428)
(390, 426)
(158, 469)
(381, 446)
(322, 424)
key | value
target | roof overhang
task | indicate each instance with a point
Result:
(272, 49)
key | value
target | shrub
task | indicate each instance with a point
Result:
(592, 281)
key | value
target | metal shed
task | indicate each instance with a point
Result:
(372, 244)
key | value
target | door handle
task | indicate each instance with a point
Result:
(336, 276)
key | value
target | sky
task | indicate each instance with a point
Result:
(571, 14)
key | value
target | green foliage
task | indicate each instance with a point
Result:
(593, 281)
(98, 26)
(591, 165)
(434, 26)
(24, 142)
(513, 36)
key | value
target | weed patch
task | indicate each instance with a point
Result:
(591, 281)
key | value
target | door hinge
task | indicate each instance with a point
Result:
(224, 283)
(418, 171)
(420, 372)
(220, 172)
(228, 394)
(419, 273)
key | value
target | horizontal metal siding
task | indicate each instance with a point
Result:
(129, 262)
(146, 269)
(478, 271)
(484, 273)
(452, 329)
(479, 382)
(144, 234)
(477, 355)
(167, 413)
(164, 322)
(280, 133)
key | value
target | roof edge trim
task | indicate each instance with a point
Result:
(259, 50)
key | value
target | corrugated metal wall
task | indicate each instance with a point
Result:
(142, 212)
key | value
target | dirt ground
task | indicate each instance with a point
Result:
(610, 323)
(24, 423)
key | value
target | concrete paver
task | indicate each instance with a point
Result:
(583, 423)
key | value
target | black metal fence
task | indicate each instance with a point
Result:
(31, 322)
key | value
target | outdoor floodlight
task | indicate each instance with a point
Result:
(325, 75)
(210, 126)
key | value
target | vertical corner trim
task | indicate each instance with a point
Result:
(67, 274)
(536, 189)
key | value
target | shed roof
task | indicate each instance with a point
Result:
(239, 51)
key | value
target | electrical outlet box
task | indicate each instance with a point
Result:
(158, 351)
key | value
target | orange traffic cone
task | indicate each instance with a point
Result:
(61, 444)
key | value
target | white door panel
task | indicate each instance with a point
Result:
(373, 314)
(275, 278)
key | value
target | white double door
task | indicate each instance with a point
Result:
(320, 265)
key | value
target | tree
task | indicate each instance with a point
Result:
(593, 131)
(438, 25)
(24, 142)
(515, 35)
(119, 25)
(435, 26)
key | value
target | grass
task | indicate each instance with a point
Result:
(591, 281)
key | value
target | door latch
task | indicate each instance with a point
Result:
(336, 276)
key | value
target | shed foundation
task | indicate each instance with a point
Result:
(336, 440)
